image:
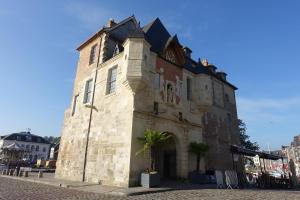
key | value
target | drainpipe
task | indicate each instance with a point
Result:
(91, 112)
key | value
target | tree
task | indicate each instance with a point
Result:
(151, 141)
(245, 139)
(199, 149)
(51, 139)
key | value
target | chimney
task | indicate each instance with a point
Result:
(204, 62)
(222, 75)
(111, 23)
(187, 51)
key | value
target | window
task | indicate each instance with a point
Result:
(93, 54)
(44, 149)
(188, 89)
(28, 138)
(32, 148)
(169, 93)
(74, 104)
(37, 148)
(27, 147)
(229, 118)
(88, 91)
(227, 97)
(112, 80)
(155, 108)
(157, 81)
(116, 50)
(180, 116)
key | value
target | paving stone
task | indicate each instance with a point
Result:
(11, 189)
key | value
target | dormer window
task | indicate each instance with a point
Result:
(28, 138)
(116, 50)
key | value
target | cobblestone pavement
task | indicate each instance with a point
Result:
(16, 190)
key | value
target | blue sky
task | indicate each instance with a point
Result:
(256, 42)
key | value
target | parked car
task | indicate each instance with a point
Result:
(275, 174)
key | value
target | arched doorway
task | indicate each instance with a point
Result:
(168, 159)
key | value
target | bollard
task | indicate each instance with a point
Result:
(40, 175)
(15, 173)
(11, 172)
(26, 174)
(4, 172)
(7, 172)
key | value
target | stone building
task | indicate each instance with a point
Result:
(292, 152)
(130, 78)
(36, 146)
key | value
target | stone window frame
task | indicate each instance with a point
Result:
(92, 58)
(75, 102)
(112, 80)
(88, 91)
(173, 92)
(37, 148)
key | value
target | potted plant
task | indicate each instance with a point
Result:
(199, 149)
(151, 142)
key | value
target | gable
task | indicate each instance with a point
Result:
(173, 51)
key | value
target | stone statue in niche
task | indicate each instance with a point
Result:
(169, 93)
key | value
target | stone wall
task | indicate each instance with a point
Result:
(108, 151)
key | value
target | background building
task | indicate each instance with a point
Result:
(36, 146)
(292, 152)
(130, 78)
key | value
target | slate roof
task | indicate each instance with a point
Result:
(22, 136)
(158, 37)
(106, 29)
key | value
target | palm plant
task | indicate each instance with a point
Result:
(199, 149)
(151, 141)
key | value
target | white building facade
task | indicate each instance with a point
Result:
(36, 146)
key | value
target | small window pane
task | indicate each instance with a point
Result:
(88, 91)
(157, 81)
(112, 80)
(188, 89)
(74, 105)
(93, 54)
